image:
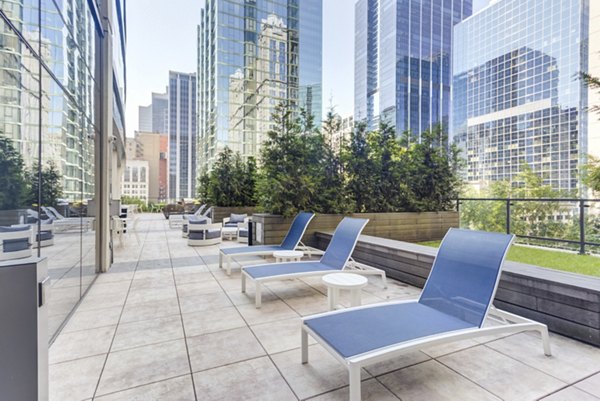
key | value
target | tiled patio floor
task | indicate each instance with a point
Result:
(167, 324)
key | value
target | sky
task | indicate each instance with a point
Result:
(161, 36)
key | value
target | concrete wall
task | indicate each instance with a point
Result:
(568, 303)
(413, 227)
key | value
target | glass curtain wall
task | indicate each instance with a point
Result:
(47, 143)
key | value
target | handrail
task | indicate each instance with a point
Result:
(583, 204)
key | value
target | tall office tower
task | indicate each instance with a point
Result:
(145, 118)
(516, 95)
(403, 53)
(182, 135)
(155, 116)
(160, 112)
(267, 52)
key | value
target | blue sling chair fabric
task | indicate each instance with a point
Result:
(335, 258)
(457, 295)
(290, 242)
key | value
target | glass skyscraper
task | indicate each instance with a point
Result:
(403, 53)
(182, 135)
(517, 98)
(253, 55)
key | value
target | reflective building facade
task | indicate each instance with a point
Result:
(253, 55)
(62, 130)
(182, 135)
(516, 97)
(403, 61)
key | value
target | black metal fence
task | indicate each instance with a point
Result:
(577, 210)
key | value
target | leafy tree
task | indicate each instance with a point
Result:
(13, 185)
(52, 187)
(592, 177)
(527, 218)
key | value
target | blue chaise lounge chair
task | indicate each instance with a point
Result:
(334, 259)
(290, 242)
(454, 304)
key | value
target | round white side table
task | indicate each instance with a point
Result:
(287, 256)
(344, 281)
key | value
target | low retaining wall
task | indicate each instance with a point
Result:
(568, 303)
(220, 212)
(416, 227)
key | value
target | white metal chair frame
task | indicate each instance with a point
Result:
(511, 324)
(204, 227)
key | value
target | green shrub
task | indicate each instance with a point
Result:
(230, 183)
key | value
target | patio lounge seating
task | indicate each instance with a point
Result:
(454, 304)
(231, 225)
(203, 232)
(289, 243)
(334, 260)
(197, 213)
(45, 236)
(185, 218)
(62, 223)
(15, 242)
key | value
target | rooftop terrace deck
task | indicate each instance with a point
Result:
(167, 324)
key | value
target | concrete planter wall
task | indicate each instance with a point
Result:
(220, 212)
(416, 227)
(568, 303)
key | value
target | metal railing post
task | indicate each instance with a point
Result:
(581, 227)
(508, 215)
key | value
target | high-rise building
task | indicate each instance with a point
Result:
(155, 116)
(342, 134)
(253, 55)
(160, 112)
(403, 61)
(145, 118)
(516, 96)
(182, 135)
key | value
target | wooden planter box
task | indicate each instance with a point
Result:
(568, 303)
(413, 227)
(220, 212)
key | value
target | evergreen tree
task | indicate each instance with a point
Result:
(13, 185)
(299, 171)
(248, 180)
(230, 183)
(359, 169)
(284, 184)
(433, 170)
